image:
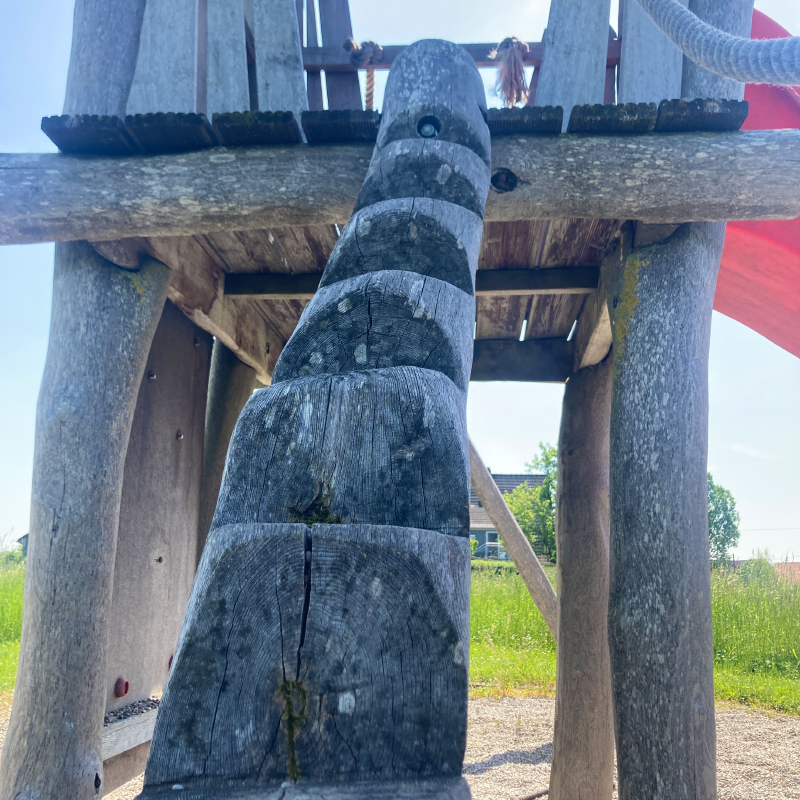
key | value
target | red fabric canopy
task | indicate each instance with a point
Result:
(759, 278)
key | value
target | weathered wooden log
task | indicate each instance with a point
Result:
(660, 301)
(583, 741)
(230, 384)
(54, 742)
(431, 237)
(657, 178)
(426, 168)
(105, 44)
(294, 636)
(383, 319)
(415, 104)
(519, 548)
(297, 455)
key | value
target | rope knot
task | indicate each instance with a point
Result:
(365, 54)
(511, 85)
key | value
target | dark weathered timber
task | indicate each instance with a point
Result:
(488, 283)
(583, 740)
(679, 116)
(660, 301)
(304, 623)
(526, 120)
(326, 127)
(250, 128)
(430, 237)
(296, 455)
(415, 94)
(553, 280)
(169, 132)
(83, 133)
(665, 178)
(600, 119)
(428, 168)
(230, 384)
(383, 319)
(53, 746)
(542, 360)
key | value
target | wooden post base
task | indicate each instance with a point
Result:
(435, 789)
(331, 654)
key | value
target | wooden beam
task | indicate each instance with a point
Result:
(333, 58)
(519, 548)
(541, 360)
(748, 175)
(488, 283)
(125, 734)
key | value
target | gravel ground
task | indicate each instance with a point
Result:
(509, 748)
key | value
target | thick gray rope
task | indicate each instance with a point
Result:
(775, 61)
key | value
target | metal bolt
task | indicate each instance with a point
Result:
(179, 436)
(197, 342)
(121, 687)
(427, 130)
(151, 376)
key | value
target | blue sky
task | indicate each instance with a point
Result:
(754, 426)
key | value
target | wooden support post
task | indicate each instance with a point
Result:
(660, 300)
(329, 619)
(574, 71)
(102, 324)
(229, 387)
(344, 91)
(519, 548)
(583, 743)
(226, 57)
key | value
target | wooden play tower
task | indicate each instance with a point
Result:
(216, 230)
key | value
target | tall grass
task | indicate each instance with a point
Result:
(12, 581)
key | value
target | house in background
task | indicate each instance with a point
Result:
(480, 526)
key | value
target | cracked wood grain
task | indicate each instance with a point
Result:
(383, 319)
(386, 446)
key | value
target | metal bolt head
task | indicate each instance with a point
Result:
(151, 376)
(427, 131)
(179, 436)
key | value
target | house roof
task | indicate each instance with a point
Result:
(478, 518)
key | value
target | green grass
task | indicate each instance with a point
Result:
(756, 637)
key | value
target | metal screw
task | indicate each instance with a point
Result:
(151, 376)
(121, 687)
(427, 131)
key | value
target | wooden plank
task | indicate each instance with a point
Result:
(344, 91)
(539, 360)
(573, 69)
(514, 539)
(166, 69)
(279, 62)
(313, 79)
(650, 64)
(227, 81)
(335, 59)
(747, 175)
(499, 283)
(102, 66)
(125, 734)
(157, 537)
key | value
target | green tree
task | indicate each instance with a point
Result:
(723, 523)
(534, 507)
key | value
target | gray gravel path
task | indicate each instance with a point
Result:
(509, 748)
